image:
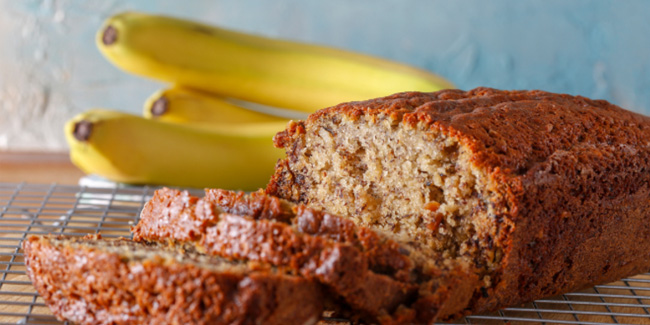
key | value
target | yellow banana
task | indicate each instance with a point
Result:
(131, 149)
(181, 105)
(268, 71)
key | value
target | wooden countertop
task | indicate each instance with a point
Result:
(38, 167)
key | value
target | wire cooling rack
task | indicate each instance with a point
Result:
(73, 210)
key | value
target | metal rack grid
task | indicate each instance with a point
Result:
(72, 210)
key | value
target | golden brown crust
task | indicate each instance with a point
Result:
(89, 285)
(256, 205)
(569, 177)
(341, 263)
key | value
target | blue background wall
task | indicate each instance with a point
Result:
(51, 70)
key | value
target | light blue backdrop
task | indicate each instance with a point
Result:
(599, 49)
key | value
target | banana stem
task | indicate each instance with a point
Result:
(82, 130)
(160, 106)
(110, 35)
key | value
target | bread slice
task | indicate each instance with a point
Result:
(95, 281)
(371, 274)
(540, 193)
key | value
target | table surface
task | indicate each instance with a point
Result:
(38, 167)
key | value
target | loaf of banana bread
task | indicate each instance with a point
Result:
(539, 193)
(95, 281)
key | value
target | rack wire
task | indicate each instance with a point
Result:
(27, 209)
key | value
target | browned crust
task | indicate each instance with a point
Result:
(569, 177)
(86, 285)
(256, 205)
(342, 266)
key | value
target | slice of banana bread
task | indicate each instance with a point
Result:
(540, 193)
(95, 281)
(177, 215)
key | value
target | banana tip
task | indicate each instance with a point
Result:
(159, 107)
(110, 35)
(82, 130)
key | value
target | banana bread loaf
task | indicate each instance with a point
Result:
(540, 193)
(95, 281)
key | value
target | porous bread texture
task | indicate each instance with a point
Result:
(419, 187)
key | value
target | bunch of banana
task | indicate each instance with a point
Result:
(197, 133)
